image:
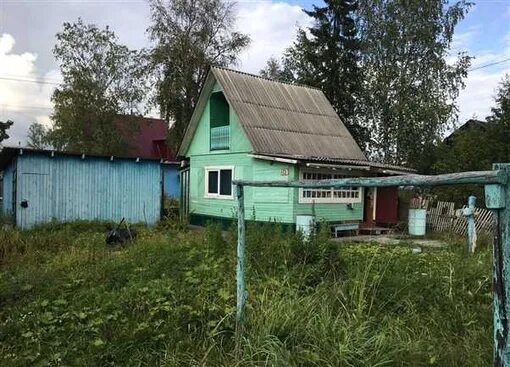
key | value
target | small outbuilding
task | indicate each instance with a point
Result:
(38, 186)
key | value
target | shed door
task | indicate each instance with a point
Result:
(33, 201)
(387, 205)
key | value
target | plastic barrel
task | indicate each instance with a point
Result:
(304, 223)
(417, 222)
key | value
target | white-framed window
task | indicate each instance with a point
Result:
(327, 195)
(218, 182)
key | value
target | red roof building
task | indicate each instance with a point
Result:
(148, 138)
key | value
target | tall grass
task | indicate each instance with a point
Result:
(168, 299)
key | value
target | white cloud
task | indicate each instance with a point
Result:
(272, 27)
(21, 99)
(481, 84)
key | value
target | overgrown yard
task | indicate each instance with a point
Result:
(168, 299)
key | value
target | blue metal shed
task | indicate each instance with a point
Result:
(41, 185)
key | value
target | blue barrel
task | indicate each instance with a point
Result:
(417, 222)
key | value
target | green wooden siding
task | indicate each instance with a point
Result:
(261, 203)
(327, 211)
(200, 143)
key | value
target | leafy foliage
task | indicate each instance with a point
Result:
(383, 65)
(476, 146)
(37, 136)
(189, 37)
(168, 299)
(4, 126)
(101, 79)
(326, 56)
(410, 87)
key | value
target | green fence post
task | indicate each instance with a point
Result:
(241, 289)
(497, 198)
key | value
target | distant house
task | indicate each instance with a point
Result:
(470, 124)
(39, 186)
(248, 127)
(147, 139)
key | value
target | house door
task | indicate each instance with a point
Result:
(184, 195)
(33, 200)
(369, 209)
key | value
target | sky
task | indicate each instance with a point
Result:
(28, 28)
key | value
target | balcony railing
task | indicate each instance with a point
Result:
(220, 137)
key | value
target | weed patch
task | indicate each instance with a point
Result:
(168, 298)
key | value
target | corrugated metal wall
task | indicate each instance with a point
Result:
(66, 188)
(7, 191)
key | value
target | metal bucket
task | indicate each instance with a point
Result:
(417, 222)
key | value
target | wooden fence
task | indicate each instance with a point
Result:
(446, 218)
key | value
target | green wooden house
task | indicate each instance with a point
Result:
(248, 127)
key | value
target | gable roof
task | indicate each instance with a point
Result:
(469, 124)
(279, 118)
(145, 137)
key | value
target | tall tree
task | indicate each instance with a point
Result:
(101, 78)
(4, 126)
(37, 136)
(498, 132)
(410, 86)
(326, 56)
(189, 36)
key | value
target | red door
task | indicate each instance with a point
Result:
(386, 210)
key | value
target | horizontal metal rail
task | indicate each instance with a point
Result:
(461, 178)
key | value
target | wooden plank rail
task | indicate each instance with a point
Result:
(461, 178)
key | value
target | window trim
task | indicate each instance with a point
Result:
(331, 200)
(208, 195)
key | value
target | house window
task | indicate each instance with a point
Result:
(219, 117)
(350, 194)
(218, 182)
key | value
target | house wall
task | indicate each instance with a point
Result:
(261, 203)
(7, 190)
(171, 183)
(66, 188)
(327, 211)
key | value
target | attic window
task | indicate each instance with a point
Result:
(220, 122)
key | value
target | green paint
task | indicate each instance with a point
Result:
(200, 144)
(501, 268)
(495, 196)
(262, 204)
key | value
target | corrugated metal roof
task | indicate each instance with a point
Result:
(7, 153)
(354, 162)
(280, 118)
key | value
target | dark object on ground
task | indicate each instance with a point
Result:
(120, 235)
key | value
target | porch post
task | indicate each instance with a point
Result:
(241, 289)
(497, 198)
